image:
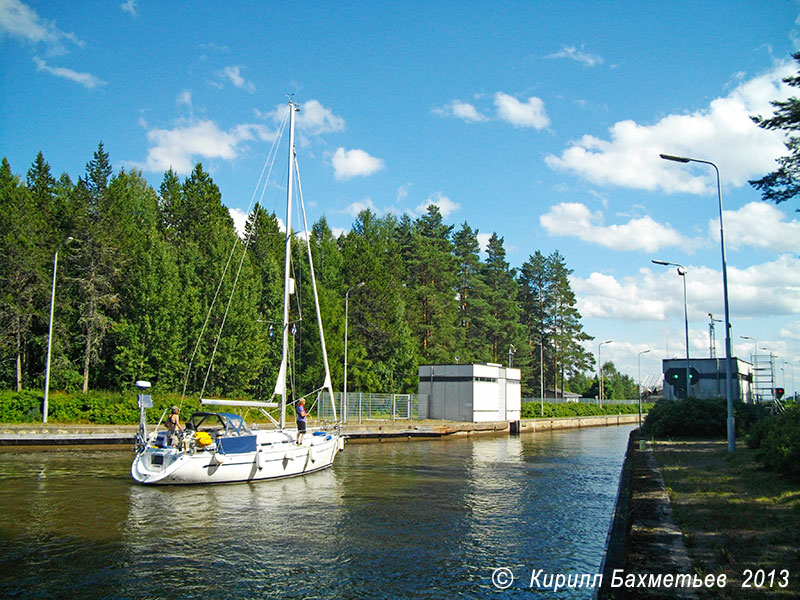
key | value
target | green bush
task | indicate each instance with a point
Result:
(776, 440)
(20, 407)
(533, 410)
(698, 418)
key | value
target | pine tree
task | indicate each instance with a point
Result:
(504, 332)
(473, 297)
(784, 183)
(431, 273)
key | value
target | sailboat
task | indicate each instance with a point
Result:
(219, 447)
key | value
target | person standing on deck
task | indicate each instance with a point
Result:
(301, 420)
(174, 426)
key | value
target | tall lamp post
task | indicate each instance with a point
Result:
(728, 362)
(753, 395)
(639, 374)
(600, 366)
(682, 273)
(50, 333)
(344, 387)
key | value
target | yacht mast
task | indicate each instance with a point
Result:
(280, 384)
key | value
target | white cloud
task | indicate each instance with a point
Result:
(571, 52)
(21, 21)
(768, 289)
(357, 207)
(446, 205)
(85, 79)
(354, 163)
(402, 192)
(129, 6)
(462, 110)
(572, 219)
(722, 132)
(185, 97)
(239, 220)
(483, 240)
(179, 148)
(233, 74)
(759, 225)
(521, 114)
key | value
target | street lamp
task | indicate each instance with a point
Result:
(753, 395)
(600, 366)
(50, 333)
(728, 363)
(682, 273)
(639, 365)
(344, 388)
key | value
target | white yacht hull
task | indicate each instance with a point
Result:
(276, 456)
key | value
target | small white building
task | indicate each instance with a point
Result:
(473, 393)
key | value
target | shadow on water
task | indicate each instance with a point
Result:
(423, 519)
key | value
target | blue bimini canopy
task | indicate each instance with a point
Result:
(236, 445)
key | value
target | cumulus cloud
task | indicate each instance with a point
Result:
(722, 132)
(462, 110)
(758, 225)
(766, 289)
(446, 205)
(185, 98)
(239, 220)
(521, 114)
(572, 53)
(572, 219)
(87, 80)
(189, 141)
(129, 6)
(21, 21)
(354, 163)
(233, 74)
(357, 207)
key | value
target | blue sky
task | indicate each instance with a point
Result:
(541, 121)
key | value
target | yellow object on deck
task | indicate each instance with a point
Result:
(202, 438)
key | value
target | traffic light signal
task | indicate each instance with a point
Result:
(676, 377)
(778, 393)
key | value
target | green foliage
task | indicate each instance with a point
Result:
(533, 410)
(135, 290)
(783, 183)
(694, 418)
(776, 440)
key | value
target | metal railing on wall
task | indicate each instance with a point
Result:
(365, 406)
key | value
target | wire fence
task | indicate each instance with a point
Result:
(362, 406)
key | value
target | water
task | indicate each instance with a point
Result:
(421, 519)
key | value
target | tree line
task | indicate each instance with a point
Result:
(143, 266)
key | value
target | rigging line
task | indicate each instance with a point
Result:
(327, 383)
(273, 153)
(236, 277)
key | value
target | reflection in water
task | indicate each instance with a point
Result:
(422, 519)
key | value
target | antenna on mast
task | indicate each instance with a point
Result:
(712, 340)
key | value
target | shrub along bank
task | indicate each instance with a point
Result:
(533, 410)
(101, 408)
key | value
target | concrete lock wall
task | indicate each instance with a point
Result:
(475, 393)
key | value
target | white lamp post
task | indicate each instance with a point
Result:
(344, 387)
(50, 334)
(600, 366)
(639, 365)
(728, 362)
(682, 273)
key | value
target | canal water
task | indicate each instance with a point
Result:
(420, 519)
